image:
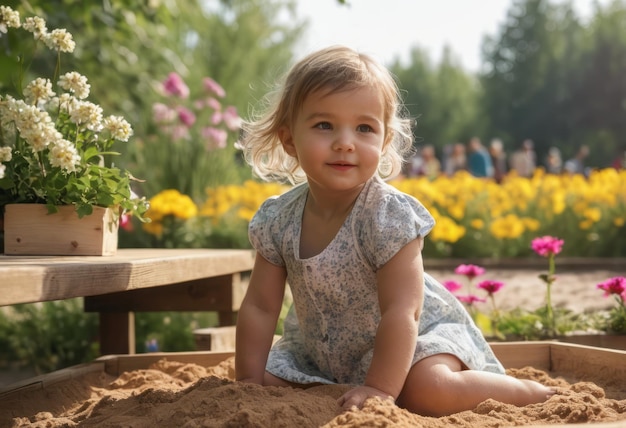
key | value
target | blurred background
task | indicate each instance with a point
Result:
(541, 84)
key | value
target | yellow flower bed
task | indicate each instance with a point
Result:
(480, 218)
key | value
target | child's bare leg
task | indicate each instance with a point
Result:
(439, 385)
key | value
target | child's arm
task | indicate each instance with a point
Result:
(256, 321)
(400, 295)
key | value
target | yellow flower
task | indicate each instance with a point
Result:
(618, 221)
(507, 227)
(592, 214)
(447, 230)
(477, 223)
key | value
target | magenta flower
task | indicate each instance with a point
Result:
(186, 116)
(547, 246)
(470, 271)
(616, 285)
(212, 86)
(490, 286)
(125, 222)
(452, 286)
(175, 86)
(470, 299)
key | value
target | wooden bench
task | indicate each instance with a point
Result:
(133, 280)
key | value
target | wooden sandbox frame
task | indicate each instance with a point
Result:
(563, 358)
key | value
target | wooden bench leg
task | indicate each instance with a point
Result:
(226, 318)
(117, 333)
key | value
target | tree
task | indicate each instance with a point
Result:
(442, 98)
(550, 78)
(525, 73)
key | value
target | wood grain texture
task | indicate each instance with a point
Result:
(26, 279)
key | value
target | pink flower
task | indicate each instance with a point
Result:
(175, 86)
(186, 116)
(125, 222)
(547, 246)
(231, 118)
(470, 271)
(212, 86)
(490, 287)
(214, 104)
(452, 286)
(616, 285)
(162, 113)
(471, 299)
(216, 138)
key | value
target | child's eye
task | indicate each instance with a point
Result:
(364, 128)
(323, 125)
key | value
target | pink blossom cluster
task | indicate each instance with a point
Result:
(614, 286)
(471, 271)
(547, 246)
(177, 120)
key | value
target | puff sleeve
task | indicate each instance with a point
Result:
(391, 221)
(260, 232)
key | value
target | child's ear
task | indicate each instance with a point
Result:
(286, 139)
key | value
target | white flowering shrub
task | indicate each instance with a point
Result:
(54, 143)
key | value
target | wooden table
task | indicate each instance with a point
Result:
(134, 280)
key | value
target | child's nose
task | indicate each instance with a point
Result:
(344, 141)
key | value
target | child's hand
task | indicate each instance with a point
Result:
(357, 396)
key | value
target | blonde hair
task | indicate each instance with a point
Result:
(335, 69)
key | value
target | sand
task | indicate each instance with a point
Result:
(174, 394)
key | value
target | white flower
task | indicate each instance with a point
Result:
(65, 103)
(5, 154)
(3, 168)
(60, 40)
(75, 83)
(37, 26)
(88, 115)
(8, 18)
(63, 154)
(38, 91)
(119, 128)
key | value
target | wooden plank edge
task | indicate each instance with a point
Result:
(118, 364)
(523, 354)
(49, 379)
(589, 361)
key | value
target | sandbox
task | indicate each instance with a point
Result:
(196, 389)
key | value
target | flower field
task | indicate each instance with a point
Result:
(475, 217)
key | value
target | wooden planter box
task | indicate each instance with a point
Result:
(582, 362)
(29, 230)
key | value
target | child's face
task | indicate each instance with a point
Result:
(338, 137)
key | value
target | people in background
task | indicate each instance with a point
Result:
(455, 159)
(620, 159)
(576, 165)
(479, 162)
(428, 166)
(554, 162)
(498, 159)
(524, 160)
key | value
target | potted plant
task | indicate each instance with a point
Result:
(55, 157)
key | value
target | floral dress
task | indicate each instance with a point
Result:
(330, 329)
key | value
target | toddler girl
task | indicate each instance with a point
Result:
(364, 312)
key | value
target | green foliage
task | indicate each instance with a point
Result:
(441, 98)
(48, 336)
(521, 324)
(55, 147)
(548, 77)
(172, 331)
